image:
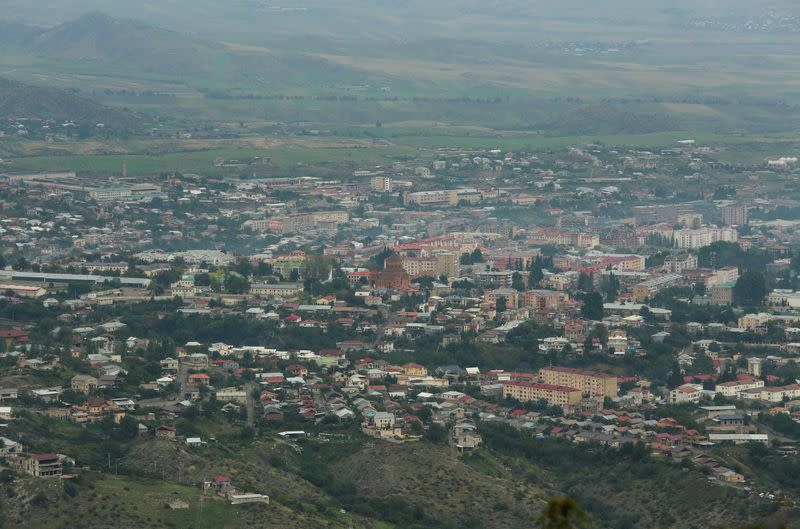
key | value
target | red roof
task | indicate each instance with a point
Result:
(221, 479)
(44, 457)
(13, 333)
(539, 385)
(576, 371)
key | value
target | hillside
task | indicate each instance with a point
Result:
(19, 100)
(132, 48)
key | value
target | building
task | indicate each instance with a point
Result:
(414, 370)
(692, 239)
(38, 465)
(543, 300)
(722, 294)
(685, 393)
(751, 322)
(22, 291)
(420, 266)
(83, 383)
(555, 395)
(725, 274)
(677, 263)
(198, 379)
(447, 263)
(590, 383)
(381, 184)
(738, 438)
(734, 215)
(277, 290)
(735, 387)
(94, 267)
(645, 289)
(494, 278)
(509, 294)
(393, 275)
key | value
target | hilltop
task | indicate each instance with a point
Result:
(20, 100)
(133, 48)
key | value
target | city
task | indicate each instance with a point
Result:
(337, 296)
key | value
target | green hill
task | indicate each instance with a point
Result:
(99, 43)
(19, 100)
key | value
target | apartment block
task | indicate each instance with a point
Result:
(555, 395)
(590, 383)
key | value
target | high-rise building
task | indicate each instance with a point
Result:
(381, 184)
(734, 215)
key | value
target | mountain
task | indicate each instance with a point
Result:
(30, 101)
(129, 44)
(130, 48)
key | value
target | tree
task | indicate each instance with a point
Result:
(244, 267)
(536, 275)
(750, 289)
(562, 513)
(610, 287)
(236, 284)
(675, 377)
(263, 269)
(592, 308)
(517, 282)
(317, 267)
(501, 304)
(21, 264)
(585, 282)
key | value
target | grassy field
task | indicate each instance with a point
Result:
(355, 151)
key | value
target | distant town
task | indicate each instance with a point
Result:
(568, 295)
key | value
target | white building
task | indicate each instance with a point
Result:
(692, 239)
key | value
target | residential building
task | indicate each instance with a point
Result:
(555, 395)
(677, 263)
(686, 393)
(645, 289)
(734, 215)
(590, 383)
(277, 290)
(38, 465)
(735, 387)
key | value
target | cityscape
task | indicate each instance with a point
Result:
(321, 290)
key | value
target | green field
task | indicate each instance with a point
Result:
(401, 142)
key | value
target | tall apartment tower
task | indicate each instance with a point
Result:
(734, 215)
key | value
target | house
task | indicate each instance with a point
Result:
(218, 485)
(273, 413)
(685, 393)
(165, 432)
(95, 405)
(414, 370)
(198, 379)
(13, 337)
(170, 365)
(9, 447)
(83, 383)
(232, 395)
(297, 370)
(196, 361)
(38, 465)
(466, 441)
